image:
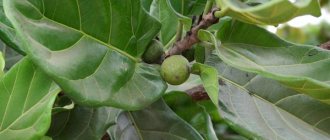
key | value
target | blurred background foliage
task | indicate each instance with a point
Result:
(311, 34)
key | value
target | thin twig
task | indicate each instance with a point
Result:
(325, 45)
(198, 93)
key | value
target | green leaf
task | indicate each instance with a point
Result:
(195, 113)
(27, 96)
(2, 64)
(62, 103)
(188, 7)
(268, 11)
(203, 123)
(11, 56)
(170, 19)
(8, 33)
(200, 52)
(210, 42)
(185, 107)
(156, 121)
(260, 107)
(82, 123)
(253, 49)
(91, 49)
(209, 78)
(146, 4)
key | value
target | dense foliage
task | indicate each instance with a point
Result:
(162, 69)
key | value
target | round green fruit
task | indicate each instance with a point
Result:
(175, 70)
(154, 52)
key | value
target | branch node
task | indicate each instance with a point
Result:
(191, 37)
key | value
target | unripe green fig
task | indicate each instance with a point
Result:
(154, 52)
(175, 70)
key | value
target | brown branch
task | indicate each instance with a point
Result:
(106, 137)
(191, 37)
(198, 93)
(326, 45)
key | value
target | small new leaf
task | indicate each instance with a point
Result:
(209, 76)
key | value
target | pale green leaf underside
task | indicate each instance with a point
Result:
(259, 107)
(270, 11)
(156, 121)
(300, 67)
(209, 79)
(82, 123)
(91, 48)
(27, 96)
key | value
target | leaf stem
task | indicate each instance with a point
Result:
(179, 32)
(221, 13)
(208, 7)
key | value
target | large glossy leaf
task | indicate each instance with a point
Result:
(82, 123)
(91, 48)
(157, 121)
(8, 33)
(263, 108)
(27, 96)
(268, 11)
(170, 19)
(300, 67)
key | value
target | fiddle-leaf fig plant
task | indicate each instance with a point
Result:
(159, 69)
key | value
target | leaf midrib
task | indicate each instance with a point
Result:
(263, 70)
(87, 35)
(277, 107)
(32, 107)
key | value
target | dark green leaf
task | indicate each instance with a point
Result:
(200, 53)
(203, 123)
(82, 123)
(196, 113)
(146, 4)
(27, 96)
(91, 49)
(156, 121)
(62, 103)
(300, 67)
(183, 105)
(259, 107)
(188, 7)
